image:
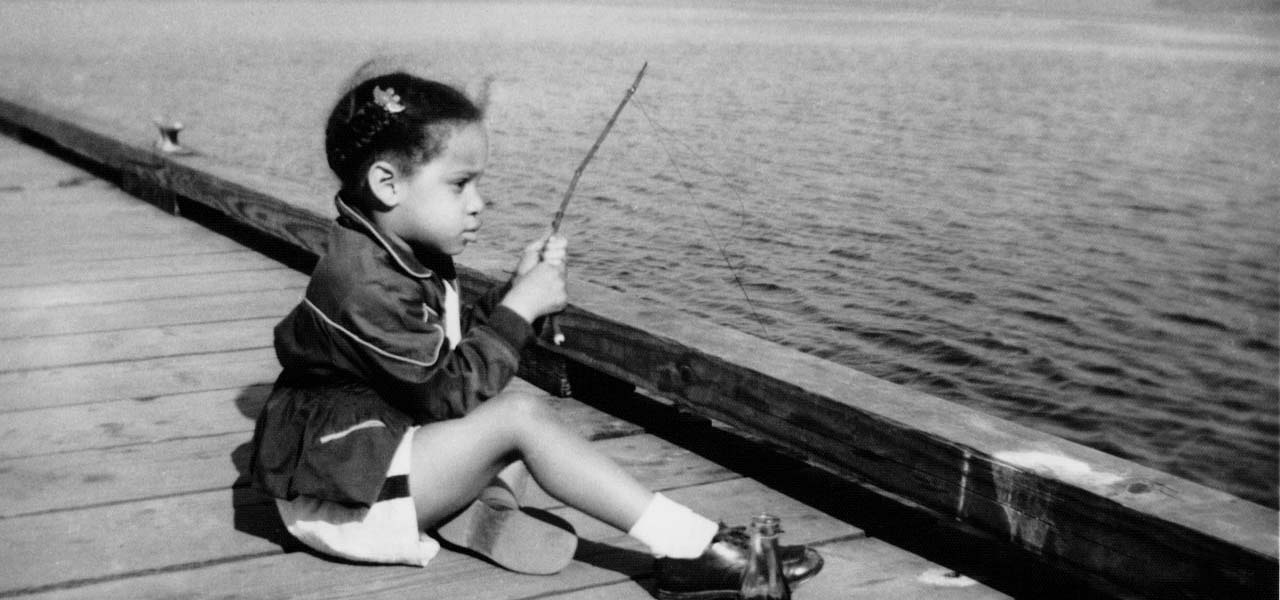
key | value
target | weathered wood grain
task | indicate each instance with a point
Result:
(74, 198)
(68, 429)
(64, 547)
(868, 568)
(131, 228)
(70, 223)
(136, 379)
(107, 268)
(58, 483)
(857, 569)
(91, 251)
(606, 555)
(134, 344)
(143, 288)
(155, 312)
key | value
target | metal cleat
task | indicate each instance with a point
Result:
(168, 142)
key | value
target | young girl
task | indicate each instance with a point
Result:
(390, 416)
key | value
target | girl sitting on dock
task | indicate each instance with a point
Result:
(391, 418)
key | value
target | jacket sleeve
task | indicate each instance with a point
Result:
(480, 367)
(399, 344)
(484, 305)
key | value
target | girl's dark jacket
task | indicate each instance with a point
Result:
(365, 357)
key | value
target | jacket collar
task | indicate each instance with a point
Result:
(405, 258)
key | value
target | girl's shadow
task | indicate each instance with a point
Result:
(255, 513)
(638, 566)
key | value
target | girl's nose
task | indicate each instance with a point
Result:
(475, 202)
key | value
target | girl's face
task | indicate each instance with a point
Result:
(439, 205)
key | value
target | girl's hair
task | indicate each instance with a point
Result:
(396, 117)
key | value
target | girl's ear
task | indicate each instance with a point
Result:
(383, 179)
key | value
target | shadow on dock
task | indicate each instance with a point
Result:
(255, 513)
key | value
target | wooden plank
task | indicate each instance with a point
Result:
(141, 380)
(156, 312)
(126, 228)
(23, 354)
(605, 556)
(199, 462)
(870, 569)
(873, 572)
(23, 168)
(109, 540)
(65, 482)
(629, 590)
(109, 268)
(142, 288)
(584, 419)
(86, 244)
(859, 569)
(300, 575)
(88, 200)
(98, 425)
(88, 252)
(1076, 507)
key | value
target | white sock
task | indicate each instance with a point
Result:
(672, 530)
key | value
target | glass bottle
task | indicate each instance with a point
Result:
(763, 578)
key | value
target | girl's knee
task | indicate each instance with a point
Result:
(522, 405)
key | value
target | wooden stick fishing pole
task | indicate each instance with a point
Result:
(558, 337)
(577, 173)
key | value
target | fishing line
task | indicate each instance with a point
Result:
(724, 254)
(742, 205)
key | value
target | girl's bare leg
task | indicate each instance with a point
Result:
(510, 484)
(454, 460)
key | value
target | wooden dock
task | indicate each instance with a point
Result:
(123, 312)
(135, 352)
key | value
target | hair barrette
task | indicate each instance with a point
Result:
(387, 99)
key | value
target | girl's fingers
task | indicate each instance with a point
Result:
(534, 247)
(543, 239)
(555, 249)
(540, 242)
(553, 254)
(555, 243)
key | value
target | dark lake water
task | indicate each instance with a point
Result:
(1072, 222)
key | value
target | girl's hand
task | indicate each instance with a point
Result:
(538, 291)
(548, 248)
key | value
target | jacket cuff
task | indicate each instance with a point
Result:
(511, 327)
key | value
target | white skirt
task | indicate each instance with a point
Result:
(386, 532)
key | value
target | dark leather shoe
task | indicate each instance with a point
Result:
(718, 572)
